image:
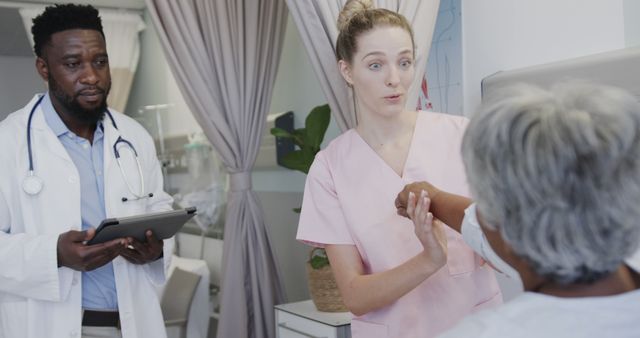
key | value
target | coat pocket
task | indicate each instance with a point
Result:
(12, 317)
(460, 258)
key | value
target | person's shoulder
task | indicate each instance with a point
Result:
(489, 323)
(341, 142)
(12, 123)
(13, 136)
(443, 119)
(337, 150)
(12, 119)
(339, 146)
(468, 328)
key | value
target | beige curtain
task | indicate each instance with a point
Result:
(121, 32)
(224, 55)
(316, 22)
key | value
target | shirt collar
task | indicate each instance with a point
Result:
(55, 122)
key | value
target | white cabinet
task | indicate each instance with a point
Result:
(302, 320)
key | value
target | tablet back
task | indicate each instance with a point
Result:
(163, 224)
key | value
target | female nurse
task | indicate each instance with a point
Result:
(390, 272)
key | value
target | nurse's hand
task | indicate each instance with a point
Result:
(142, 253)
(429, 231)
(416, 187)
(75, 254)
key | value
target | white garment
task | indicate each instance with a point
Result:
(474, 237)
(100, 332)
(534, 315)
(634, 261)
(38, 299)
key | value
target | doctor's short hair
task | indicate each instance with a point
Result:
(557, 172)
(60, 18)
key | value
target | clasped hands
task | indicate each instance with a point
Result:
(414, 202)
(74, 253)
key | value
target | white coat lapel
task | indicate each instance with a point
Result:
(44, 140)
(112, 175)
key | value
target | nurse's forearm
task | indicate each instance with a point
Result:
(363, 293)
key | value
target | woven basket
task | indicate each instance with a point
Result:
(323, 288)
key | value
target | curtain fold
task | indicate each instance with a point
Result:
(316, 22)
(224, 56)
(121, 33)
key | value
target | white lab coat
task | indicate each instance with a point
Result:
(38, 299)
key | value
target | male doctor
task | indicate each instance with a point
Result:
(59, 179)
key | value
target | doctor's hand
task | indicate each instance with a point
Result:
(75, 254)
(415, 188)
(430, 231)
(143, 253)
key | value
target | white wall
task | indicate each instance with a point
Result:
(296, 86)
(632, 22)
(19, 81)
(506, 34)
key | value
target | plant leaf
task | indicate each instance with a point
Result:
(318, 262)
(298, 137)
(279, 132)
(298, 160)
(316, 125)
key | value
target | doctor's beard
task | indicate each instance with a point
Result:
(71, 104)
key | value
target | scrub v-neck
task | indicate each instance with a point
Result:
(402, 175)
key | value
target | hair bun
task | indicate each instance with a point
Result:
(350, 9)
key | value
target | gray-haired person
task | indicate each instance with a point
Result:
(556, 179)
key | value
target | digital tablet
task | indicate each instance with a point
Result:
(163, 224)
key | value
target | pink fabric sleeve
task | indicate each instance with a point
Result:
(321, 219)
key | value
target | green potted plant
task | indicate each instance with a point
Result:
(322, 285)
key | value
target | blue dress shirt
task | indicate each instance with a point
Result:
(98, 286)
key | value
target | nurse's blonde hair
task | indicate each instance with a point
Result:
(358, 17)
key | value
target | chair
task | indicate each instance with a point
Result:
(177, 297)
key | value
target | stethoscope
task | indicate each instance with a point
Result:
(32, 184)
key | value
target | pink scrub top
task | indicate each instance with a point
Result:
(349, 199)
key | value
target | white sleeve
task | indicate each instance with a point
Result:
(471, 231)
(5, 216)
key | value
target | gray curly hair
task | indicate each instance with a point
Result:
(557, 172)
